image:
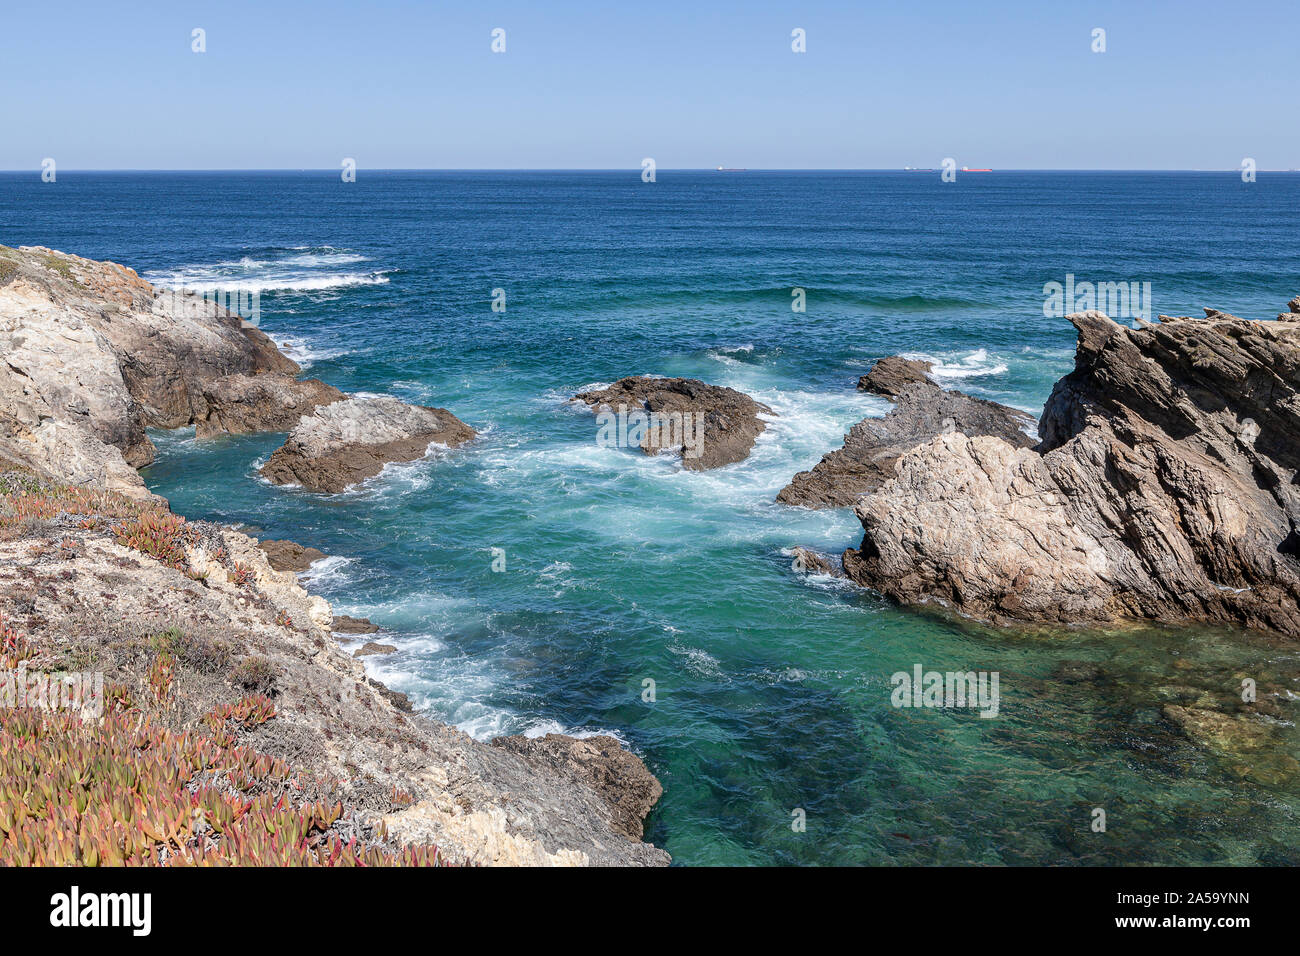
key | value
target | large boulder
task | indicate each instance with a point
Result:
(708, 425)
(346, 442)
(1164, 488)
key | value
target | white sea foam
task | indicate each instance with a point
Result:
(971, 365)
(728, 355)
(329, 572)
(699, 662)
(197, 282)
(302, 350)
(541, 728)
(300, 270)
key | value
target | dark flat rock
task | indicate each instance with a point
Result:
(892, 374)
(352, 625)
(730, 422)
(289, 555)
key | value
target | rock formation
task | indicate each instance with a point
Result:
(873, 446)
(289, 555)
(892, 374)
(76, 593)
(343, 624)
(724, 434)
(618, 777)
(272, 402)
(346, 442)
(94, 355)
(374, 647)
(1164, 488)
(808, 561)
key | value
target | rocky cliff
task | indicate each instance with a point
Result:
(94, 355)
(1164, 489)
(96, 572)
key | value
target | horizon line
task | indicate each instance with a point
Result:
(637, 169)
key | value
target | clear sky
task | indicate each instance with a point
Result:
(1182, 85)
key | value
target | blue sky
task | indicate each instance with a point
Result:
(693, 84)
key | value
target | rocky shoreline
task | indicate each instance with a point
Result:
(1158, 485)
(100, 574)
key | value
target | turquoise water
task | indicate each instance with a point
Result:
(772, 689)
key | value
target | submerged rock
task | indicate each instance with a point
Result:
(346, 442)
(1225, 733)
(708, 425)
(873, 446)
(261, 403)
(1164, 488)
(1246, 745)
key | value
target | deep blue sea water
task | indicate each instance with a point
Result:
(772, 690)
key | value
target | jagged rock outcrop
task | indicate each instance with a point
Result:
(346, 442)
(1165, 488)
(92, 346)
(873, 446)
(724, 432)
(620, 778)
(892, 373)
(62, 452)
(271, 402)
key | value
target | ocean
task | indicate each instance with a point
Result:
(772, 690)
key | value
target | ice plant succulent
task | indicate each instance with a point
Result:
(125, 791)
(160, 535)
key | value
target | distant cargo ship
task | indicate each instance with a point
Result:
(728, 169)
(967, 169)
